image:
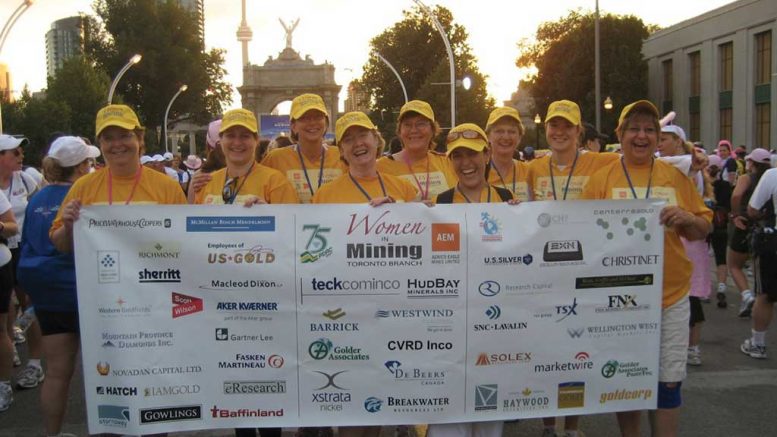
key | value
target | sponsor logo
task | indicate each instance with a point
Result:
(330, 400)
(317, 246)
(489, 288)
(231, 284)
(417, 405)
(422, 376)
(132, 224)
(628, 369)
(334, 326)
(436, 320)
(139, 339)
(630, 260)
(491, 226)
(382, 226)
(501, 358)
(114, 416)
(432, 288)
(170, 414)
(446, 237)
(333, 314)
(626, 395)
(418, 345)
(230, 224)
(373, 404)
(621, 329)
(546, 220)
(564, 311)
(486, 396)
(108, 271)
(254, 387)
(147, 276)
(505, 326)
(105, 390)
(226, 413)
(184, 305)
(526, 400)
(323, 348)
(360, 287)
(384, 255)
(222, 334)
(120, 309)
(252, 361)
(156, 251)
(568, 252)
(247, 310)
(571, 394)
(528, 289)
(621, 302)
(171, 390)
(493, 312)
(576, 332)
(104, 369)
(617, 281)
(634, 229)
(517, 260)
(330, 380)
(581, 362)
(254, 255)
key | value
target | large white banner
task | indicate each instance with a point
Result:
(199, 317)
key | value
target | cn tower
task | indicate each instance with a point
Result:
(244, 34)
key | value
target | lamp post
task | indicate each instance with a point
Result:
(4, 34)
(597, 70)
(394, 70)
(167, 111)
(450, 58)
(133, 60)
(537, 123)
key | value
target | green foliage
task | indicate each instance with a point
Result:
(83, 88)
(36, 119)
(414, 47)
(563, 53)
(166, 35)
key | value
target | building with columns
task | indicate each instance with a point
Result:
(717, 72)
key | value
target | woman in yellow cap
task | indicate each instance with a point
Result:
(309, 163)
(243, 180)
(122, 181)
(360, 144)
(429, 171)
(639, 175)
(505, 130)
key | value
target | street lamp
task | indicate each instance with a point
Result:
(133, 60)
(167, 111)
(394, 70)
(597, 70)
(450, 58)
(608, 103)
(537, 123)
(4, 34)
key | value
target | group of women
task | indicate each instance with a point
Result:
(478, 166)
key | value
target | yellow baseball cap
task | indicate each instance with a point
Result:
(238, 117)
(639, 104)
(504, 111)
(355, 118)
(467, 135)
(565, 109)
(417, 106)
(304, 103)
(116, 115)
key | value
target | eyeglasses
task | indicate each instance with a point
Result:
(421, 124)
(468, 134)
(16, 152)
(229, 192)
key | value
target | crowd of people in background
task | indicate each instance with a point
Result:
(717, 203)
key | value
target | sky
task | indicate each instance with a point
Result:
(339, 31)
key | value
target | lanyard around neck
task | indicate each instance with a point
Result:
(488, 198)
(305, 170)
(569, 178)
(424, 193)
(132, 192)
(359, 186)
(234, 195)
(628, 179)
(498, 173)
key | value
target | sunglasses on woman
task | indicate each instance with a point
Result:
(468, 134)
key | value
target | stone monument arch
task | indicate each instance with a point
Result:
(287, 76)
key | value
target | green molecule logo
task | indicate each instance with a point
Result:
(631, 227)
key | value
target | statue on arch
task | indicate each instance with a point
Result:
(289, 30)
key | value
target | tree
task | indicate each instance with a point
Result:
(85, 99)
(166, 35)
(414, 47)
(36, 119)
(563, 53)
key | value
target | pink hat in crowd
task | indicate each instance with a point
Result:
(212, 138)
(724, 143)
(715, 160)
(759, 155)
(193, 162)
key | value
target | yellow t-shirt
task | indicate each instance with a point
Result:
(286, 160)
(669, 184)
(516, 180)
(343, 190)
(152, 188)
(265, 182)
(587, 163)
(490, 196)
(440, 173)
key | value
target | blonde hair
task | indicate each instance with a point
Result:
(53, 172)
(436, 129)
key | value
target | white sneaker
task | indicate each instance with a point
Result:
(746, 307)
(722, 287)
(748, 348)
(6, 396)
(17, 361)
(30, 377)
(694, 357)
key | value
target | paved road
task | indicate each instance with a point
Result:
(730, 394)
